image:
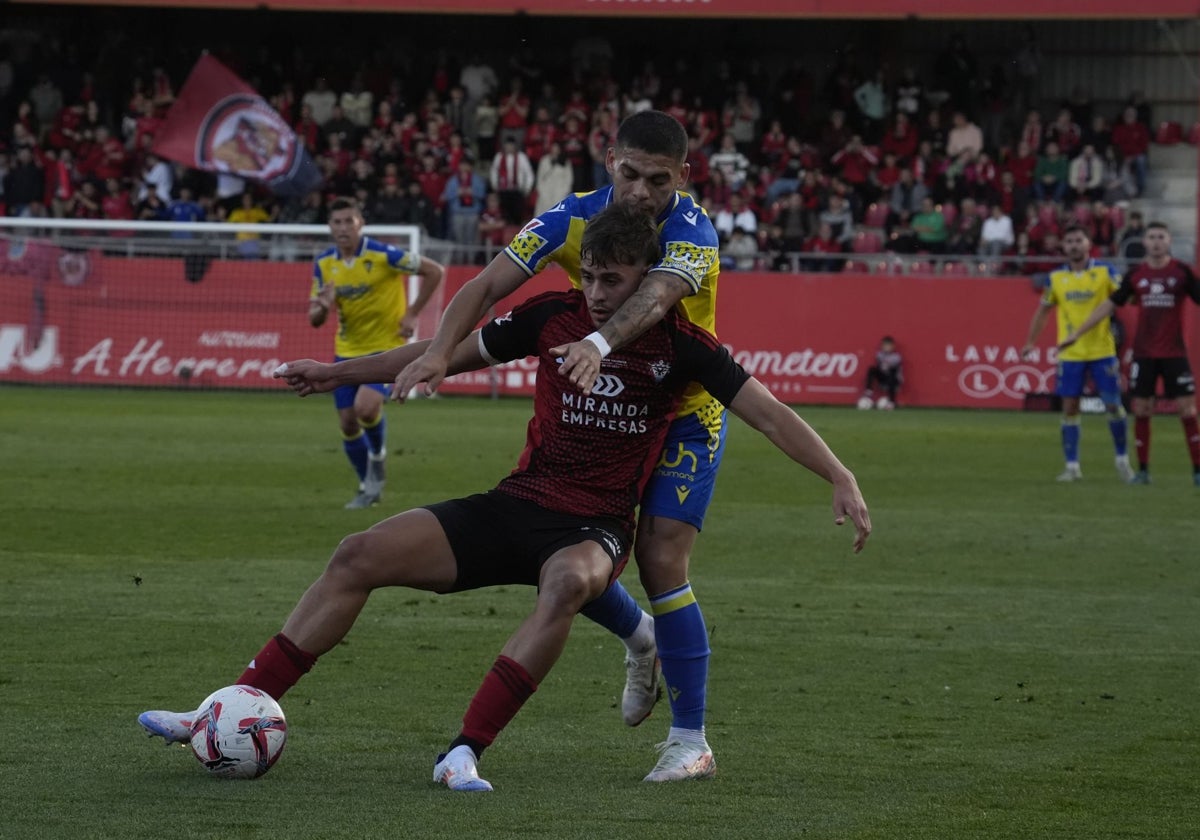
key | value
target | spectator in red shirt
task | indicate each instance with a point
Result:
(676, 107)
(901, 138)
(538, 136)
(1066, 133)
(116, 205)
(492, 225)
(147, 124)
(854, 164)
(105, 157)
(774, 145)
(574, 142)
(1132, 140)
(514, 113)
(1031, 132)
(823, 242)
(1021, 164)
(887, 175)
(307, 129)
(577, 106)
(85, 203)
(431, 178)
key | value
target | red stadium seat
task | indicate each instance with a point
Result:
(876, 215)
(867, 242)
(949, 212)
(1169, 133)
(1194, 135)
(1081, 213)
(920, 267)
(956, 268)
(857, 266)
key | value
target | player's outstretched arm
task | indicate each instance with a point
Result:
(1100, 313)
(784, 428)
(654, 298)
(500, 278)
(431, 275)
(1035, 329)
(305, 376)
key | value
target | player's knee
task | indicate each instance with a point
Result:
(355, 562)
(568, 586)
(663, 547)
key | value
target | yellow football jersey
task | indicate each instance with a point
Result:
(689, 251)
(1075, 294)
(372, 294)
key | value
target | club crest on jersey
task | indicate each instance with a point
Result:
(659, 370)
(242, 134)
(368, 265)
(527, 243)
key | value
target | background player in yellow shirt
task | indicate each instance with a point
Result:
(1076, 289)
(367, 281)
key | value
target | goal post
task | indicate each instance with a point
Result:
(160, 304)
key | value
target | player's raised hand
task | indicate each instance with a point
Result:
(848, 502)
(425, 373)
(1026, 351)
(307, 376)
(327, 296)
(580, 363)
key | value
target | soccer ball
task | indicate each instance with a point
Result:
(239, 732)
(884, 404)
(864, 403)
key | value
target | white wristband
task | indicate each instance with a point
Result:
(601, 344)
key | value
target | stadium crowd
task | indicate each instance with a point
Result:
(949, 159)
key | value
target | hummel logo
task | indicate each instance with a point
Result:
(682, 491)
(690, 217)
(251, 665)
(675, 692)
(607, 385)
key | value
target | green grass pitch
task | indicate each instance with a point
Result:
(1009, 658)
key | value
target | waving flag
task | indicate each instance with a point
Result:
(219, 123)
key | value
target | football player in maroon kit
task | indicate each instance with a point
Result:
(1158, 286)
(563, 520)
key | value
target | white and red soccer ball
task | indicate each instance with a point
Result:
(239, 732)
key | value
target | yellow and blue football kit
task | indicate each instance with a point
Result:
(371, 295)
(1075, 295)
(371, 298)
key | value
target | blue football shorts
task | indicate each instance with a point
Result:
(1104, 373)
(343, 397)
(681, 486)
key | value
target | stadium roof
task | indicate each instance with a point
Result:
(776, 9)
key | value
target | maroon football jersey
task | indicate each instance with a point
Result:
(591, 455)
(1159, 293)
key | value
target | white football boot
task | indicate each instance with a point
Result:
(457, 771)
(172, 727)
(678, 762)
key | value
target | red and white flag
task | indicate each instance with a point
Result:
(219, 123)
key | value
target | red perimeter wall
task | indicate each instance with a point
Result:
(809, 337)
